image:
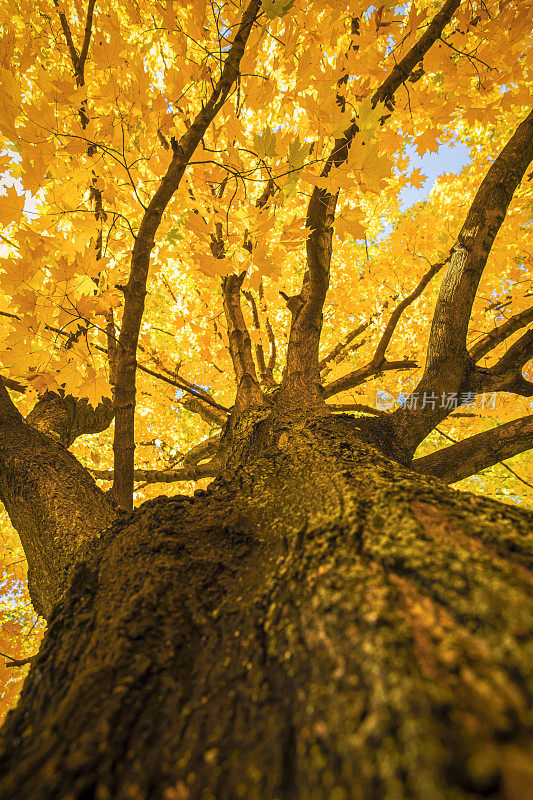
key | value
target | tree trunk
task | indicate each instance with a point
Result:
(322, 623)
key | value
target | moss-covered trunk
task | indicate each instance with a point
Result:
(321, 624)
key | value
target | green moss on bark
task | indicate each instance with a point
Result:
(320, 624)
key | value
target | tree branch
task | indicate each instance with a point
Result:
(194, 473)
(506, 374)
(400, 308)
(378, 363)
(66, 418)
(304, 337)
(341, 346)
(80, 67)
(272, 356)
(16, 386)
(265, 372)
(201, 451)
(478, 452)
(259, 354)
(499, 334)
(361, 375)
(449, 367)
(205, 410)
(74, 57)
(52, 501)
(240, 346)
(17, 662)
(135, 290)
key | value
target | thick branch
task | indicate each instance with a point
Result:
(304, 338)
(499, 334)
(201, 451)
(478, 452)
(240, 346)
(194, 473)
(259, 354)
(449, 367)
(447, 343)
(135, 291)
(506, 374)
(209, 414)
(16, 386)
(358, 376)
(265, 372)
(66, 418)
(271, 340)
(52, 501)
(272, 355)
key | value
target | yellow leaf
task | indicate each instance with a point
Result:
(94, 388)
(11, 207)
(417, 179)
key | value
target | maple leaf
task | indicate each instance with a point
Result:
(11, 207)
(94, 388)
(212, 266)
(349, 224)
(427, 141)
(44, 382)
(277, 8)
(265, 143)
(417, 179)
(369, 116)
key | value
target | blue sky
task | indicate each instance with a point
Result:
(448, 159)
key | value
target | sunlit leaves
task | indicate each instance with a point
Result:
(242, 203)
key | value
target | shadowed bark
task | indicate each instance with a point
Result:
(52, 501)
(66, 418)
(478, 452)
(357, 634)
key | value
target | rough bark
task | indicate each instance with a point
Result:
(472, 455)
(52, 501)
(66, 418)
(321, 623)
